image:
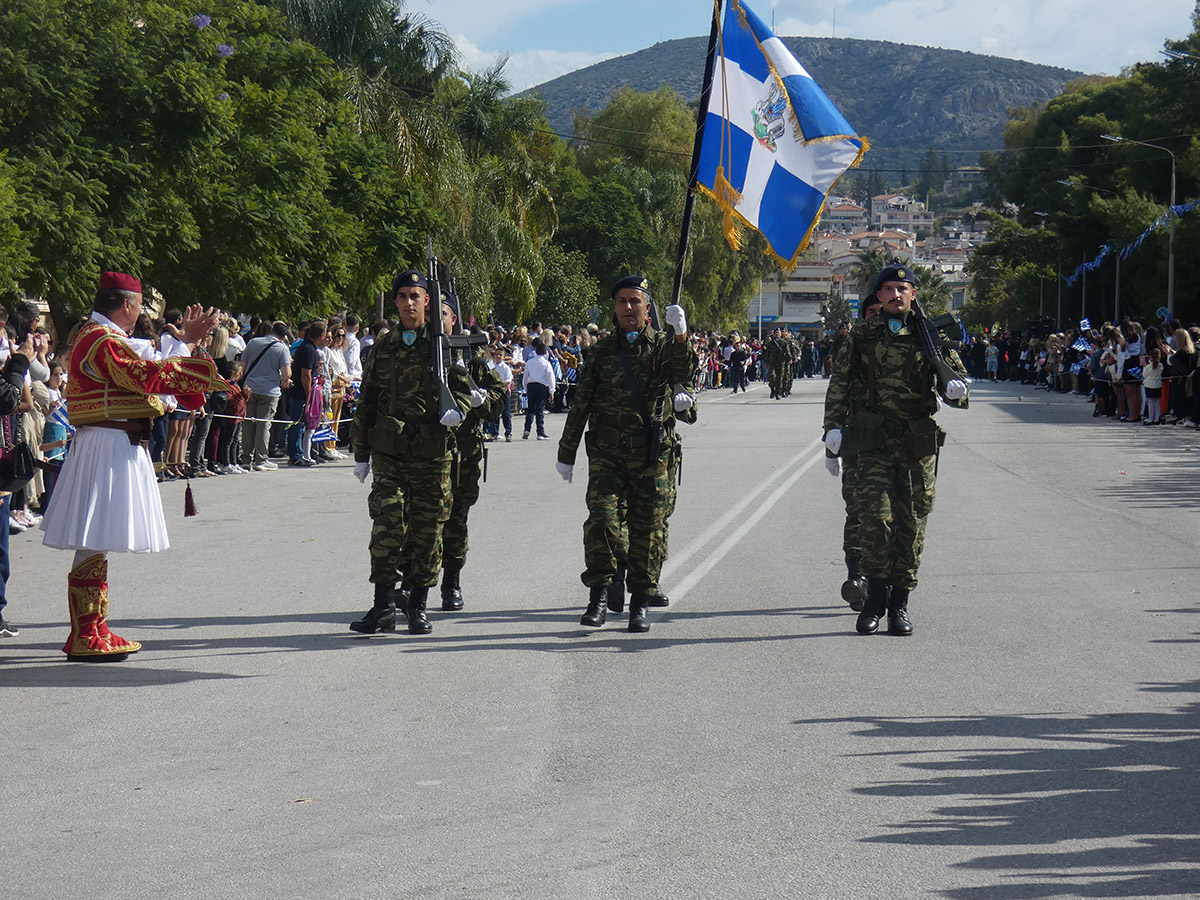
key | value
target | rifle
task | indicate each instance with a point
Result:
(931, 345)
(440, 352)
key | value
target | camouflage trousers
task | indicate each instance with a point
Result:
(775, 377)
(409, 504)
(625, 493)
(894, 496)
(850, 542)
(622, 551)
(466, 495)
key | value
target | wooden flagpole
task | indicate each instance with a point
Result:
(701, 116)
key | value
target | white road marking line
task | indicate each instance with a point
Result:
(679, 591)
(675, 561)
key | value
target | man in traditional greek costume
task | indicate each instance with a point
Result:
(106, 499)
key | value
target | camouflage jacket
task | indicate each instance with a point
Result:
(398, 384)
(602, 396)
(487, 380)
(879, 372)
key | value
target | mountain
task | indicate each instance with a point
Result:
(903, 98)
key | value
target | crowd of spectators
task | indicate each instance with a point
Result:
(1132, 372)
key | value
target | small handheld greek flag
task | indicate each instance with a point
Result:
(774, 145)
(60, 416)
(1081, 344)
(1085, 324)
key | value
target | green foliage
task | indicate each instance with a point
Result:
(220, 163)
(1114, 190)
(567, 290)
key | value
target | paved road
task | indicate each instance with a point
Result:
(1036, 738)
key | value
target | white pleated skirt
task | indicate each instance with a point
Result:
(106, 497)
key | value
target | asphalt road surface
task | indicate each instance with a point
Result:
(1038, 737)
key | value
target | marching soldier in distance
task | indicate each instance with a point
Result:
(880, 403)
(401, 431)
(631, 387)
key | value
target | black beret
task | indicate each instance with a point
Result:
(451, 301)
(895, 272)
(409, 278)
(637, 282)
(872, 299)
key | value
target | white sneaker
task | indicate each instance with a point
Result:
(15, 527)
(262, 467)
(269, 465)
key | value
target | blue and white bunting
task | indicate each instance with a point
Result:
(774, 145)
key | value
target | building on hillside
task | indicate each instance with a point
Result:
(844, 218)
(895, 211)
(795, 301)
(964, 178)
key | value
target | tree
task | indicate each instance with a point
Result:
(567, 290)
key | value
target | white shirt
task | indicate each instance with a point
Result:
(538, 370)
(353, 353)
(236, 345)
(503, 370)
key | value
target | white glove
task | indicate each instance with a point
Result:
(940, 404)
(361, 470)
(956, 390)
(674, 316)
(833, 464)
(452, 418)
(833, 440)
(683, 400)
(566, 470)
(478, 396)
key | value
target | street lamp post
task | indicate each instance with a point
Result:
(1170, 216)
(1112, 241)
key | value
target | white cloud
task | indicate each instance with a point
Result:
(527, 67)
(1090, 36)
(482, 18)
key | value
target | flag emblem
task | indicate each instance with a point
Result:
(768, 118)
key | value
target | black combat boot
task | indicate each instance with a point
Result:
(854, 588)
(658, 598)
(597, 610)
(638, 604)
(616, 591)
(874, 606)
(418, 622)
(898, 621)
(452, 599)
(381, 616)
(402, 593)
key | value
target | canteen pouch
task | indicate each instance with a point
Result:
(864, 433)
(924, 437)
(388, 436)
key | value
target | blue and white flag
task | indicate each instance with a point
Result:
(60, 416)
(774, 145)
(1085, 324)
(1081, 344)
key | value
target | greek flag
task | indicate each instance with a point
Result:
(60, 416)
(1081, 344)
(324, 433)
(774, 145)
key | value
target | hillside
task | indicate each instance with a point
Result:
(903, 98)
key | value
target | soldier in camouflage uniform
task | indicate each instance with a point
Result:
(487, 395)
(880, 404)
(854, 588)
(776, 353)
(618, 397)
(399, 431)
(616, 590)
(793, 359)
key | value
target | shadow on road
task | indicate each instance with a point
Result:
(1125, 781)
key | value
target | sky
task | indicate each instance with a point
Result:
(547, 38)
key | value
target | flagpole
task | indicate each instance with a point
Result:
(685, 227)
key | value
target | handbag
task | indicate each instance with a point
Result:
(16, 459)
